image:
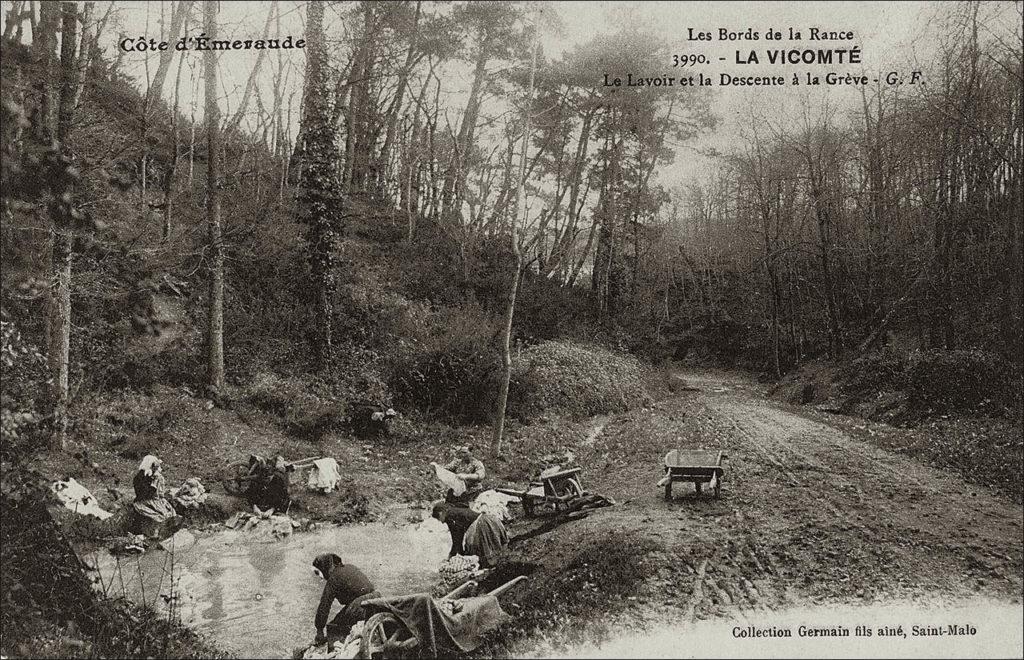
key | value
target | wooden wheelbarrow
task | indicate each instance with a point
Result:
(699, 466)
(556, 489)
(237, 477)
(386, 635)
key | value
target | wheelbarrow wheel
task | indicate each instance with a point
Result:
(381, 632)
(570, 488)
(235, 479)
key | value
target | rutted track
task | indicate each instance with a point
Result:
(808, 515)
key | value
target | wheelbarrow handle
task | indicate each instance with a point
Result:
(462, 588)
(508, 585)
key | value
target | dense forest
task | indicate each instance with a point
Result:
(359, 225)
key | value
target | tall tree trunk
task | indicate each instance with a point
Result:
(251, 82)
(59, 313)
(563, 242)
(194, 91)
(215, 319)
(175, 151)
(506, 342)
(452, 193)
(320, 183)
(14, 18)
(155, 88)
(177, 21)
(396, 105)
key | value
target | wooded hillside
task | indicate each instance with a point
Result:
(372, 248)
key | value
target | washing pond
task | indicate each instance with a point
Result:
(257, 599)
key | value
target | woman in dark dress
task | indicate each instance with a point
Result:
(473, 533)
(270, 484)
(152, 509)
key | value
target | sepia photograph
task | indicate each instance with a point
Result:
(511, 329)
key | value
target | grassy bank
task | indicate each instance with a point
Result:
(50, 608)
(958, 410)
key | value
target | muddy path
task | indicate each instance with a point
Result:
(809, 516)
(810, 513)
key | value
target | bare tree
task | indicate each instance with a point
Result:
(215, 247)
(510, 310)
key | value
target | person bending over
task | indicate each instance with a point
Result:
(345, 584)
(473, 533)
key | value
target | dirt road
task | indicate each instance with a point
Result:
(808, 516)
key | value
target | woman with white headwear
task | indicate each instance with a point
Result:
(151, 505)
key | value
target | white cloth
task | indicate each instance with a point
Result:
(339, 650)
(77, 497)
(494, 503)
(450, 479)
(325, 475)
(149, 464)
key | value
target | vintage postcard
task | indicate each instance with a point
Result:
(447, 328)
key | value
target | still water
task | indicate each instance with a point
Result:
(257, 598)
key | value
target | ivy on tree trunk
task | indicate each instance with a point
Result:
(320, 185)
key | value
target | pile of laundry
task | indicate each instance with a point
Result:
(266, 525)
(129, 544)
(324, 477)
(77, 497)
(456, 571)
(347, 649)
(189, 495)
(494, 503)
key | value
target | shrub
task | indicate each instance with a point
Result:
(446, 363)
(872, 373)
(578, 380)
(300, 410)
(932, 382)
(24, 375)
(961, 380)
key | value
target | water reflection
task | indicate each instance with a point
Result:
(257, 600)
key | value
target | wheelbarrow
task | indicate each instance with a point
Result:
(699, 466)
(556, 489)
(238, 477)
(386, 635)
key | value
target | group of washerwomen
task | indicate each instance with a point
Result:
(472, 532)
(155, 514)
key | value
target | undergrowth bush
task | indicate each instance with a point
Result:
(933, 381)
(942, 381)
(873, 372)
(446, 362)
(577, 380)
(300, 411)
